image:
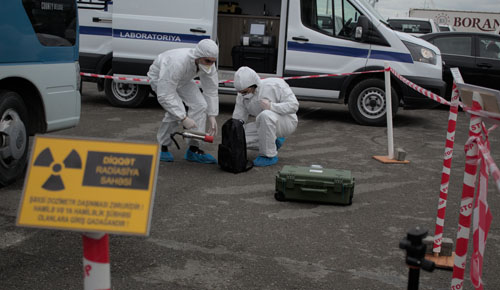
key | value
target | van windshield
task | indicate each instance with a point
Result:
(373, 11)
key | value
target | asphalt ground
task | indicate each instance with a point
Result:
(216, 230)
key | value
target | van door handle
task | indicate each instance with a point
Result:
(199, 30)
(484, 64)
(104, 20)
(300, 38)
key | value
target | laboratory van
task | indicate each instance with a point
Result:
(275, 38)
(39, 76)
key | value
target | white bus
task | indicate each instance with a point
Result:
(39, 76)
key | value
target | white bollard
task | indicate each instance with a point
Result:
(388, 111)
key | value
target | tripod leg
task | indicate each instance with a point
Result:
(413, 278)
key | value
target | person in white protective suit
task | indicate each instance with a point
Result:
(274, 106)
(171, 77)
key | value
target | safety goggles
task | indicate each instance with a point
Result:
(207, 61)
(248, 90)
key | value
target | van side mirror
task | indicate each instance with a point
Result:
(366, 32)
(362, 31)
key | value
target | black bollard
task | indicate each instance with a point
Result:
(415, 253)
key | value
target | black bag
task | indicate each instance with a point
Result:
(232, 154)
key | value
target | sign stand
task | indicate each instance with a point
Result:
(96, 269)
(389, 159)
(92, 186)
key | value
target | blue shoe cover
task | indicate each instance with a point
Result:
(167, 157)
(200, 158)
(279, 142)
(262, 161)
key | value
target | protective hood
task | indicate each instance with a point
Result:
(245, 77)
(206, 48)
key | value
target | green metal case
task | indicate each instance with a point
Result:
(314, 184)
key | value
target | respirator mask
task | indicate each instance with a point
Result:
(206, 68)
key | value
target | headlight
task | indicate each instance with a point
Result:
(421, 53)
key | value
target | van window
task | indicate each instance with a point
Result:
(54, 21)
(334, 18)
(459, 45)
(318, 15)
(349, 16)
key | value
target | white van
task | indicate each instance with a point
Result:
(303, 38)
(39, 77)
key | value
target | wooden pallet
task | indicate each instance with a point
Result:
(386, 160)
(442, 262)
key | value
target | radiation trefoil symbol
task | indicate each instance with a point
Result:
(45, 159)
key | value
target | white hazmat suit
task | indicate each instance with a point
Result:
(171, 77)
(278, 121)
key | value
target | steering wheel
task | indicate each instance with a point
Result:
(345, 28)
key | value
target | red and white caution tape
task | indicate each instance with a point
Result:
(146, 80)
(139, 80)
(96, 270)
(332, 75)
(445, 176)
(482, 216)
(478, 112)
(493, 168)
(476, 151)
(475, 129)
(493, 117)
(419, 89)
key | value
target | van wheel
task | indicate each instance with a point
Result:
(367, 102)
(279, 196)
(14, 139)
(125, 94)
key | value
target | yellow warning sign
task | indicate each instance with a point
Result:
(89, 185)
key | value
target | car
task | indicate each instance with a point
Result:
(445, 27)
(414, 26)
(475, 54)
